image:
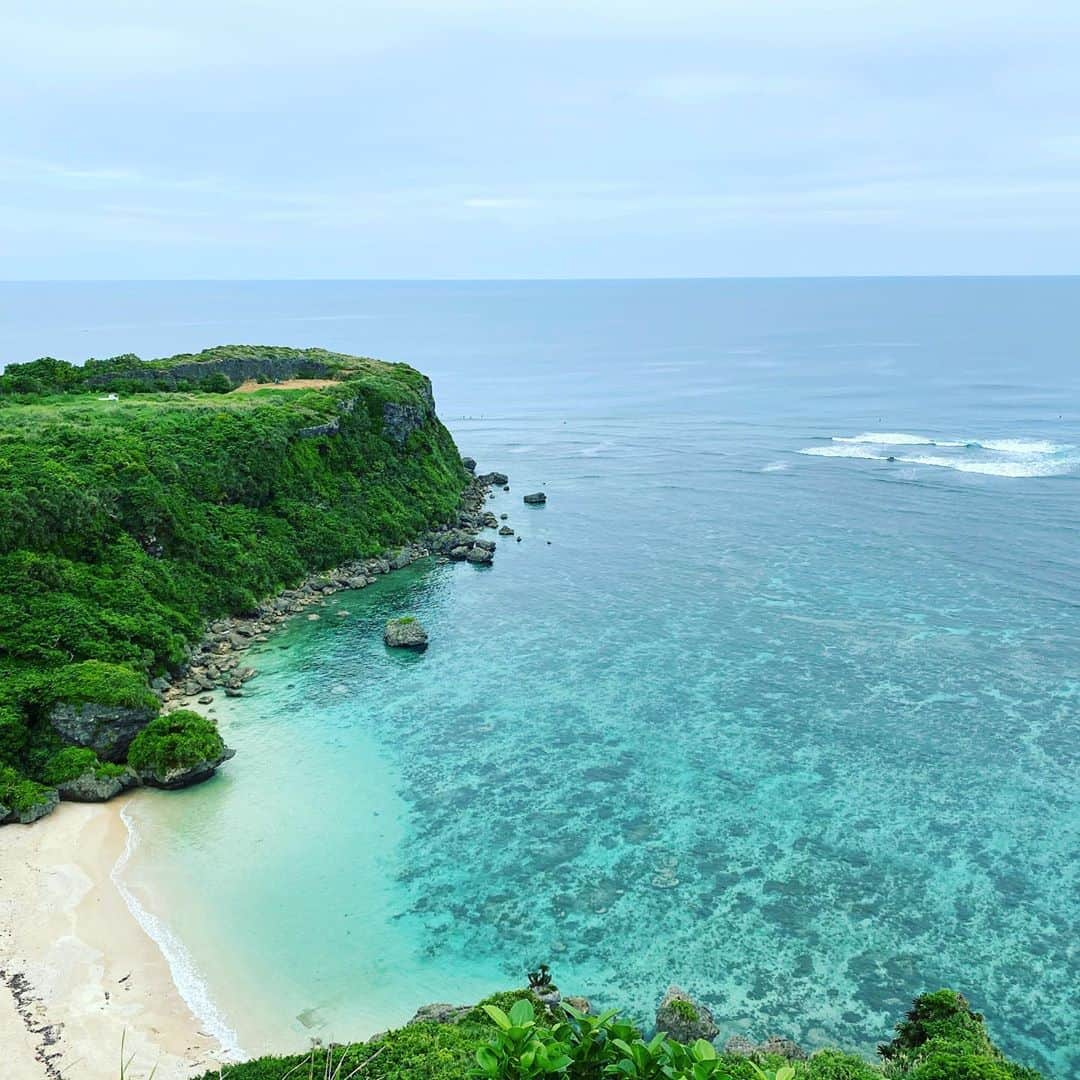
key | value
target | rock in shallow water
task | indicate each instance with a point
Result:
(405, 633)
(684, 1019)
(187, 775)
(537, 498)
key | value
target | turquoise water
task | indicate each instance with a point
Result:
(771, 716)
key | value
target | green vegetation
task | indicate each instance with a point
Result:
(74, 761)
(511, 1037)
(103, 684)
(125, 525)
(174, 741)
(684, 1010)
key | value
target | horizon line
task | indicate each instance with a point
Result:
(536, 280)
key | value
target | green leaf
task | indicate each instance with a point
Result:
(488, 1060)
(521, 1013)
(705, 1051)
(500, 1018)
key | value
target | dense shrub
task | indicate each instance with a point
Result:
(74, 761)
(176, 740)
(508, 1037)
(17, 792)
(102, 683)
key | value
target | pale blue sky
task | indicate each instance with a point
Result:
(592, 138)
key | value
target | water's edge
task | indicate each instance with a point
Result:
(186, 978)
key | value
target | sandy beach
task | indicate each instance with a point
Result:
(79, 977)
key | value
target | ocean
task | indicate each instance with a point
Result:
(778, 698)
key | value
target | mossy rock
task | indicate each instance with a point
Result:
(177, 749)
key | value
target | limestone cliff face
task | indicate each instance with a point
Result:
(108, 730)
(236, 369)
(400, 419)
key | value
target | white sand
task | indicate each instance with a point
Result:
(79, 974)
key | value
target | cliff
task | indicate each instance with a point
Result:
(127, 524)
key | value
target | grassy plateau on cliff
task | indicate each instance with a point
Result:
(139, 499)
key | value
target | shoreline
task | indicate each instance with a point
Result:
(185, 976)
(86, 968)
(81, 976)
(214, 662)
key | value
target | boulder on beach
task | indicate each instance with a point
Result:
(684, 1019)
(537, 498)
(405, 633)
(90, 787)
(480, 555)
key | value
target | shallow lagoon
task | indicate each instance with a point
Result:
(796, 730)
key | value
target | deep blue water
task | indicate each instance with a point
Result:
(771, 715)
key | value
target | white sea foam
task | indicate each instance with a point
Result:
(995, 468)
(776, 466)
(843, 452)
(192, 988)
(886, 438)
(1022, 446)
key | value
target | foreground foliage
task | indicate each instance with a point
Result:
(520, 1039)
(126, 524)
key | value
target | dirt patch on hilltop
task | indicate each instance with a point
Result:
(285, 384)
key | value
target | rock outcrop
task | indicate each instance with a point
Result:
(537, 498)
(106, 729)
(405, 633)
(774, 1045)
(49, 802)
(187, 775)
(683, 1018)
(91, 788)
(440, 1012)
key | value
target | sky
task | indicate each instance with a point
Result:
(586, 138)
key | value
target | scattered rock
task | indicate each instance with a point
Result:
(774, 1045)
(537, 498)
(480, 556)
(506, 531)
(469, 464)
(684, 1019)
(405, 633)
(206, 699)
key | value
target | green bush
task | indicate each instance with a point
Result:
(941, 1015)
(13, 735)
(176, 740)
(74, 761)
(102, 684)
(17, 792)
(836, 1065)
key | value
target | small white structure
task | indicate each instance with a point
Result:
(110, 397)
